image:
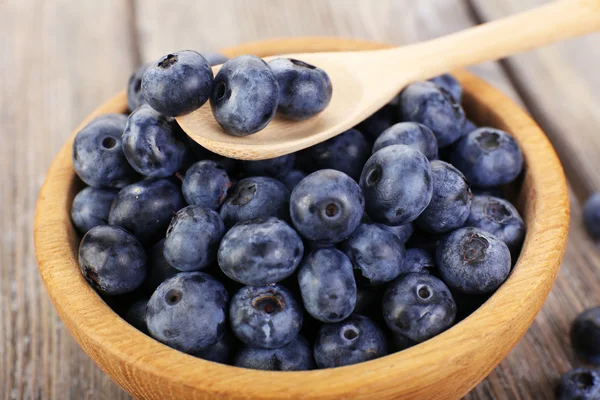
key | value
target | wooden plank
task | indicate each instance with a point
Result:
(559, 84)
(63, 58)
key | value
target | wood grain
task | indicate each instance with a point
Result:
(53, 74)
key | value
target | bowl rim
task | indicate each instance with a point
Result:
(482, 339)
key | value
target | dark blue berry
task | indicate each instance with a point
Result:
(418, 306)
(579, 384)
(469, 127)
(193, 238)
(450, 202)
(327, 285)
(135, 97)
(473, 261)
(304, 90)
(188, 312)
(206, 184)
(374, 126)
(591, 215)
(112, 260)
(256, 197)
(135, 314)
(427, 104)
(585, 335)
(91, 207)
(377, 254)
(260, 251)
(450, 84)
(488, 157)
(274, 167)
(214, 58)
(411, 134)
(294, 356)
(245, 95)
(98, 156)
(178, 83)
(153, 144)
(220, 352)
(326, 206)
(292, 178)
(346, 152)
(158, 269)
(403, 232)
(500, 218)
(418, 260)
(355, 340)
(265, 316)
(145, 208)
(397, 185)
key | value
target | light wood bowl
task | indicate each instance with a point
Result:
(445, 367)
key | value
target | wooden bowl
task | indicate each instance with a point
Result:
(445, 367)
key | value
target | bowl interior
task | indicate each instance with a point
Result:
(446, 366)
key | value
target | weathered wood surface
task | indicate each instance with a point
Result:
(65, 57)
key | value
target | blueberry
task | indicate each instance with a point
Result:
(451, 200)
(214, 58)
(90, 208)
(245, 95)
(418, 260)
(220, 352)
(292, 178)
(159, 270)
(188, 312)
(403, 232)
(327, 285)
(135, 98)
(294, 356)
(488, 157)
(265, 316)
(112, 260)
(346, 152)
(256, 197)
(199, 153)
(591, 215)
(153, 144)
(145, 208)
(135, 314)
(579, 384)
(500, 218)
(97, 154)
(355, 340)
(397, 184)
(374, 126)
(449, 83)
(178, 83)
(426, 103)
(418, 306)
(411, 134)
(423, 240)
(304, 90)
(193, 238)
(326, 206)
(473, 261)
(274, 167)
(585, 335)
(469, 127)
(377, 254)
(260, 251)
(206, 184)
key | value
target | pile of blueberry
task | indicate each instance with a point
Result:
(363, 245)
(244, 95)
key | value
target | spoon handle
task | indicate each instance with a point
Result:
(550, 23)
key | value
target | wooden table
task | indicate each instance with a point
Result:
(60, 59)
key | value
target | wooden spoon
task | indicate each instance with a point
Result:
(365, 81)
